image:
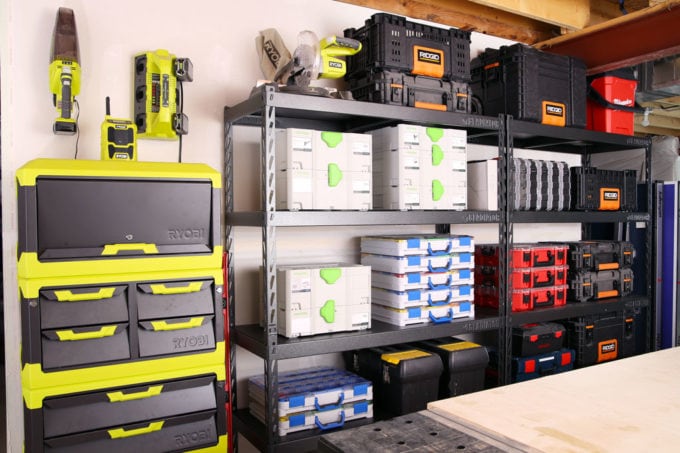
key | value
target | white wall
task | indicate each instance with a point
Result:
(219, 37)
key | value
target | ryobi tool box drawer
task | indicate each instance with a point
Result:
(600, 255)
(173, 415)
(318, 397)
(70, 326)
(593, 189)
(394, 43)
(464, 364)
(530, 85)
(404, 378)
(79, 217)
(537, 338)
(396, 88)
(585, 286)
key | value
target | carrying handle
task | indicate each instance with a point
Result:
(165, 326)
(324, 427)
(448, 283)
(328, 407)
(444, 251)
(440, 269)
(161, 289)
(438, 303)
(597, 97)
(443, 319)
(70, 335)
(549, 301)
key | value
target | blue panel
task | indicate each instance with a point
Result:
(413, 277)
(465, 257)
(464, 290)
(465, 240)
(465, 306)
(465, 273)
(361, 407)
(413, 260)
(296, 420)
(413, 295)
(413, 243)
(296, 401)
(360, 389)
(413, 312)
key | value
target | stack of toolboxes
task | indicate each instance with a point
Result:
(418, 279)
(323, 298)
(417, 167)
(537, 274)
(120, 280)
(411, 64)
(319, 397)
(537, 350)
(323, 170)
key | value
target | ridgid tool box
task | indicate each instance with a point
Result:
(530, 85)
(585, 286)
(464, 364)
(593, 189)
(598, 338)
(600, 255)
(405, 378)
(411, 64)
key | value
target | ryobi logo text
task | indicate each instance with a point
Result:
(186, 233)
(272, 52)
(430, 56)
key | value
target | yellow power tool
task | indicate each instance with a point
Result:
(65, 71)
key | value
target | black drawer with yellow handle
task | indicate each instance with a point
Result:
(111, 322)
(101, 217)
(187, 411)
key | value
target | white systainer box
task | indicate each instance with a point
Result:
(429, 244)
(323, 298)
(418, 315)
(421, 280)
(483, 185)
(323, 170)
(422, 297)
(418, 263)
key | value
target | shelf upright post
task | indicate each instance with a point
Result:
(229, 263)
(649, 240)
(505, 239)
(268, 168)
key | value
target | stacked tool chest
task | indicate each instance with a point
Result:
(121, 301)
(411, 64)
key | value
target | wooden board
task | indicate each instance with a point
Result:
(631, 404)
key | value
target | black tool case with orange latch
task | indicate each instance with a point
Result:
(585, 286)
(394, 43)
(396, 88)
(593, 189)
(530, 85)
(600, 255)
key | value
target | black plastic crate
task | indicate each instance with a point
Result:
(537, 338)
(540, 185)
(600, 255)
(585, 286)
(394, 43)
(530, 85)
(404, 378)
(600, 338)
(593, 189)
(396, 88)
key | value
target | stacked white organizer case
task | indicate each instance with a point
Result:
(417, 167)
(323, 170)
(420, 279)
(323, 298)
(319, 397)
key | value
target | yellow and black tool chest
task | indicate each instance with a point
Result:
(120, 286)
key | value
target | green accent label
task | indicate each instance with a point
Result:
(437, 155)
(332, 139)
(327, 312)
(330, 275)
(334, 175)
(437, 190)
(435, 133)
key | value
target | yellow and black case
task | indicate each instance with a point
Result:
(79, 217)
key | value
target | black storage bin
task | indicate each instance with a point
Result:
(585, 286)
(464, 364)
(394, 43)
(603, 190)
(530, 85)
(404, 379)
(596, 338)
(390, 87)
(600, 255)
(537, 338)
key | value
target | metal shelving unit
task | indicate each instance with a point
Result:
(269, 109)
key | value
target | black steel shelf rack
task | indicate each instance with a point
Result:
(269, 109)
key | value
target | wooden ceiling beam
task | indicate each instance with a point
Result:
(571, 14)
(467, 15)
